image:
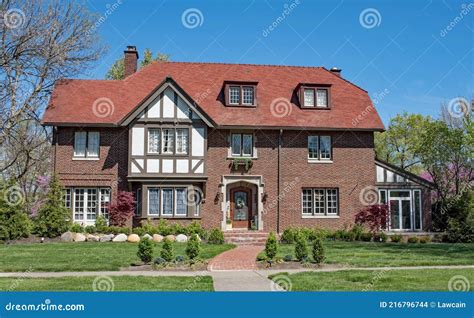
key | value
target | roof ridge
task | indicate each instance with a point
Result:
(226, 63)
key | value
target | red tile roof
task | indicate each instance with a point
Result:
(72, 101)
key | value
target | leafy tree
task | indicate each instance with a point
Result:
(318, 251)
(374, 216)
(167, 252)
(53, 217)
(145, 250)
(301, 247)
(121, 211)
(117, 70)
(193, 247)
(271, 246)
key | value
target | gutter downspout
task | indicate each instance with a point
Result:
(280, 137)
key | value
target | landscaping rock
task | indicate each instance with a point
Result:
(106, 238)
(92, 238)
(171, 238)
(157, 238)
(67, 236)
(79, 237)
(148, 236)
(181, 238)
(120, 238)
(133, 238)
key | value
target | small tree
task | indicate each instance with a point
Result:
(374, 216)
(145, 250)
(318, 251)
(193, 248)
(301, 247)
(53, 217)
(167, 252)
(121, 212)
(14, 222)
(271, 246)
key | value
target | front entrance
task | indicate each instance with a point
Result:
(241, 207)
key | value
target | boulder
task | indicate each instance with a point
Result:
(106, 238)
(79, 237)
(67, 236)
(171, 238)
(92, 238)
(181, 238)
(133, 238)
(148, 236)
(120, 238)
(157, 238)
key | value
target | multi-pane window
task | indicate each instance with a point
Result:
(234, 95)
(182, 141)
(153, 140)
(242, 145)
(315, 97)
(168, 141)
(138, 198)
(240, 95)
(67, 198)
(86, 144)
(309, 97)
(319, 147)
(88, 203)
(320, 202)
(322, 97)
(248, 95)
(172, 201)
(181, 201)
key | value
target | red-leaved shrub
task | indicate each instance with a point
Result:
(121, 212)
(374, 216)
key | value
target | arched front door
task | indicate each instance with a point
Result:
(241, 207)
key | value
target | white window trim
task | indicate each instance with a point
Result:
(326, 215)
(86, 155)
(316, 97)
(159, 141)
(84, 208)
(231, 155)
(319, 159)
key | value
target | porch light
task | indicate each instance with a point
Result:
(264, 197)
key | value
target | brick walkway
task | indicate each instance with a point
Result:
(240, 258)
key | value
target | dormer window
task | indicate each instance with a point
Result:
(314, 97)
(240, 95)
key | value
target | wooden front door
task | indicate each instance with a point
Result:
(241, 207)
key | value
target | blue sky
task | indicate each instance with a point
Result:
(409, 55)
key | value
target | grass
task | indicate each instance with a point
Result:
(368, 254)
(87, 256)
(119, 283)
(366, 280)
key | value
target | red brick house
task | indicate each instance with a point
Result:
(230, 145)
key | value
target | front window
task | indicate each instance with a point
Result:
(322, 98)
(320, 202)
(153, 140)
(168, 201)
(172, 202)
(168, 141)
(182, 141)
(242, 145)
(181, 201)
(240, 95)
(154, 201)
(248, 95)
(319, 148)
(309, 97)
(234, 95)
(86, 144)
(88, 203)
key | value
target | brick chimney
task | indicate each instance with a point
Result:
(130, 60)
(336, 71)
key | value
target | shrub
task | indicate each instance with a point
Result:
(318, 251)
(90, 229)
(76, 228)
(288, 236)
(167, 251)
(196, 228)
(100, 224)
(366, 237)
(163, 228)
(121, 212)
(413, 239)
(301, 248)
(14, 222)
(118, 230)
(321, 233)
(216, 236)
(288, 258)
(138, 231)
(145, 250)
(271, 246)
(396, 238)
(380, 237)
(374, 216)
(357, 231)
(53, 217)
(193, 247)
(459, 214)
(148, 227)
(159, 261)
(178, 229)
(425, 239)
(179, 259)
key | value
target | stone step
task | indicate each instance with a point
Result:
(242, 237)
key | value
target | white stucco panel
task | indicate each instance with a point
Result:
(168, 103)
(182, 166)
(138, 141)
(167, 166)
(198, 141)
(153, 165)
(154, 109)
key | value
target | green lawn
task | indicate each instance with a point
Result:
(368, 254)
(87, 256)
(366, 280)
(116, 283)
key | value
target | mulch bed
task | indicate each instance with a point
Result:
(34, 239)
